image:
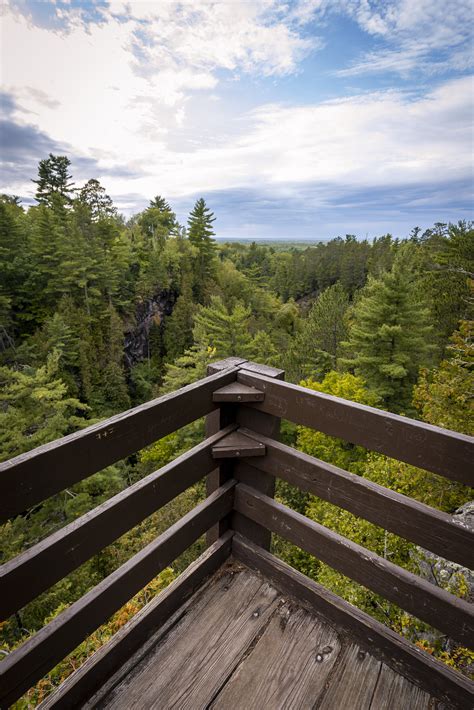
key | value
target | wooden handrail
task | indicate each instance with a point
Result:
(32, 477)
(443, 611)
(441, 451)
(412, 520)
(31, 573)
(27, 664)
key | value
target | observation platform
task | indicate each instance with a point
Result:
(240, 629)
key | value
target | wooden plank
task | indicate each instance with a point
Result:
(237, 445)
(430, 528)
(401, 655)
(444, 611)
(353, 683)
(93, 674)
(288, 667)
(27, 575)
(238, 393)
(26, 665)
(394, 691)
(31, 477)
(429, 447)
(187, 669)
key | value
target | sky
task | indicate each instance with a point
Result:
(307, 119)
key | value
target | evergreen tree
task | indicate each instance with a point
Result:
(158, 221)
(97, 200)
(178, 335)
(225, 331)
(317, 346)
(389, 337)
(54, 182)
(200, 233)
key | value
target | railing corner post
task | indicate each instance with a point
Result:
(268, 425)
(215, 421)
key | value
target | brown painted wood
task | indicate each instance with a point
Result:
(394, 691)
(259, 421)
(444, 611)
(237, 393)
(94, 673)
(34, 476)
(27, 575)
(26, 665)
(187, 669)
(419, 523)
(352, 686)
(237, 445)
(222, 416)
(429, 447)
(402, 656)
(288, 667)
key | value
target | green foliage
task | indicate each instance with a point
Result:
(389, 337)
(54, 182)
(444, 394)
(317, 347)
(200, 233)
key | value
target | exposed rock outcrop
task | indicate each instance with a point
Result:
(150, 312)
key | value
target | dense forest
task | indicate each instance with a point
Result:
(99, 313)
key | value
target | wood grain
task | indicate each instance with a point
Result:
(136, 634)
(353, 684)
(288, 668)
(188, 668)
(402, 656)
(429, 447)
(394, 691)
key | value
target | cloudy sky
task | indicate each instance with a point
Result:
(303, 119)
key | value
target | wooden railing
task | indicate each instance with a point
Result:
(241, 459)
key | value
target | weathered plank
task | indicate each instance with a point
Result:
(94, 673)
(27, 575)
(34, 476)
(444, 611)
(394, 691)
(429, 447)
(353, 683)
(430, 528)
(23, 667)
(288, 668)
(402, 656)
(187, 669)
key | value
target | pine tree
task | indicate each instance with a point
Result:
(97, 200)
(178, 334)
(54, 182)
(389, 337)
(317, 347)
(225, 331)
(200, 233)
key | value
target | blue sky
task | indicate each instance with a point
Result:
(306, 119)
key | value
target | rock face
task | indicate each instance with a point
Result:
(149, 313)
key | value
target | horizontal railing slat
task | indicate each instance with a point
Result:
(452, 616)
(26, 665)
(29, 574)
(429, 447)
(415, 521)
(34, 476)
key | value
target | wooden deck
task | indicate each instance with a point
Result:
(239, 643)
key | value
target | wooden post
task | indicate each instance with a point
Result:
(215, 421)
(268, 425)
